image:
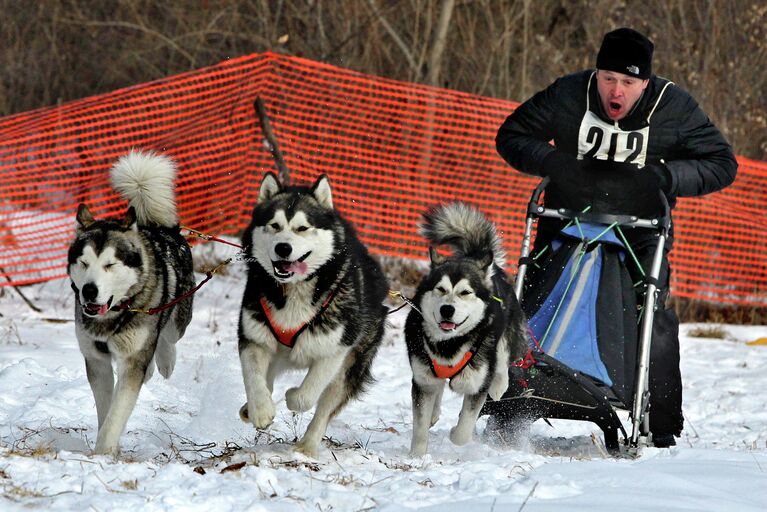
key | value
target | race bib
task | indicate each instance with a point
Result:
(605, 141)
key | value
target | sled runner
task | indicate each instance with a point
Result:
(590, 340)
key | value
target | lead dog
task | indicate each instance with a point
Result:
(138, 262)
(313, 300)
(467, 326)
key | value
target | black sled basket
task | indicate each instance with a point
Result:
(549, 385)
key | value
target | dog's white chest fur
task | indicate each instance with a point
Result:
(299, 311)
(469, 380)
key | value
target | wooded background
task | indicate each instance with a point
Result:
(59, 50)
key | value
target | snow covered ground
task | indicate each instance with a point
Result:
(186, 449)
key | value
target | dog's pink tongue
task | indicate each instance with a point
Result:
(103, 309)
(298, 267)
(447, 326)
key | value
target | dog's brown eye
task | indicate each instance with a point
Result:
(465, 293)
(441, 290)
(85, 265)
(108, 266)
(301, 229)
(275, 226)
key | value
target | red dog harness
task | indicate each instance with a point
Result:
(447, 372)
(289, 336)
(443, 371)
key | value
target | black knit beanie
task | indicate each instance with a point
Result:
(626, 51)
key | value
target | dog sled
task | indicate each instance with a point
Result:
(590, 330)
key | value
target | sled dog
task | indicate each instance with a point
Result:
(313, 299)
(140, 261)
(467, 326)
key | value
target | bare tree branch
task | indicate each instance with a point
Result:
(440, 41)
(396, 38)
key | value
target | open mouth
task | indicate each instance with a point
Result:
(284, 269)
(449, 325)
(614, 107)
(94, 309)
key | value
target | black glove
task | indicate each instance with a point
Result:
(624, 188)
(570, 185)
(558, 165)
(663, 175)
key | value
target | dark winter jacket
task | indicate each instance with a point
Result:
(666, 126)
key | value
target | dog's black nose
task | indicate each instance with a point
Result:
(446, 311)
(90, 292)
(283, 250)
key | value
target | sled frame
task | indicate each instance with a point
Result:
(639, 414)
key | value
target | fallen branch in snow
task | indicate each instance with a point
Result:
(277, 462)
(110, 489)
(24, 297)
(528, 497)
(234, 467)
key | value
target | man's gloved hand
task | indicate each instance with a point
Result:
(570, 184)
(559, 165)
(624, 188)
(663, 175)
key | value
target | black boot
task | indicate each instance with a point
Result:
(663, 440)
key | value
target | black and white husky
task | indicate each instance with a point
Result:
(119, 266)
(467, 326)
(313, 299)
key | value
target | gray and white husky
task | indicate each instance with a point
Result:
(313, 299)
(467, 326)
(118, 266)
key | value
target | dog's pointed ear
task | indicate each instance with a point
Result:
(435, 257)
(129, 221)
(84, 216)
(321, 191)
(486, 261)
(270, 187)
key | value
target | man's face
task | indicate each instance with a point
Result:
(619, 92)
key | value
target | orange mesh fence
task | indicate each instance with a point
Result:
(391, 149)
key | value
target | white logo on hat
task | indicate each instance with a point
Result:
(633, 70)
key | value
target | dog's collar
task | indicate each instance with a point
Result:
(122, 306)
(285, 336)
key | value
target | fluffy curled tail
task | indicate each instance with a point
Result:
(147, 180)
(465, 229)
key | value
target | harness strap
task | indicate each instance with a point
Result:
(285, 336)
(126, 304)
(527, 361)
(204, 236)
(444, 371)
(447, 372)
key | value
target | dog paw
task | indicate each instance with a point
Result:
(165, 358)
(264, 416)
(297, 401)
(418, 450)
(499, 386)
(106, 449)
(165, 368)
(459, 436)
(307, 448)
